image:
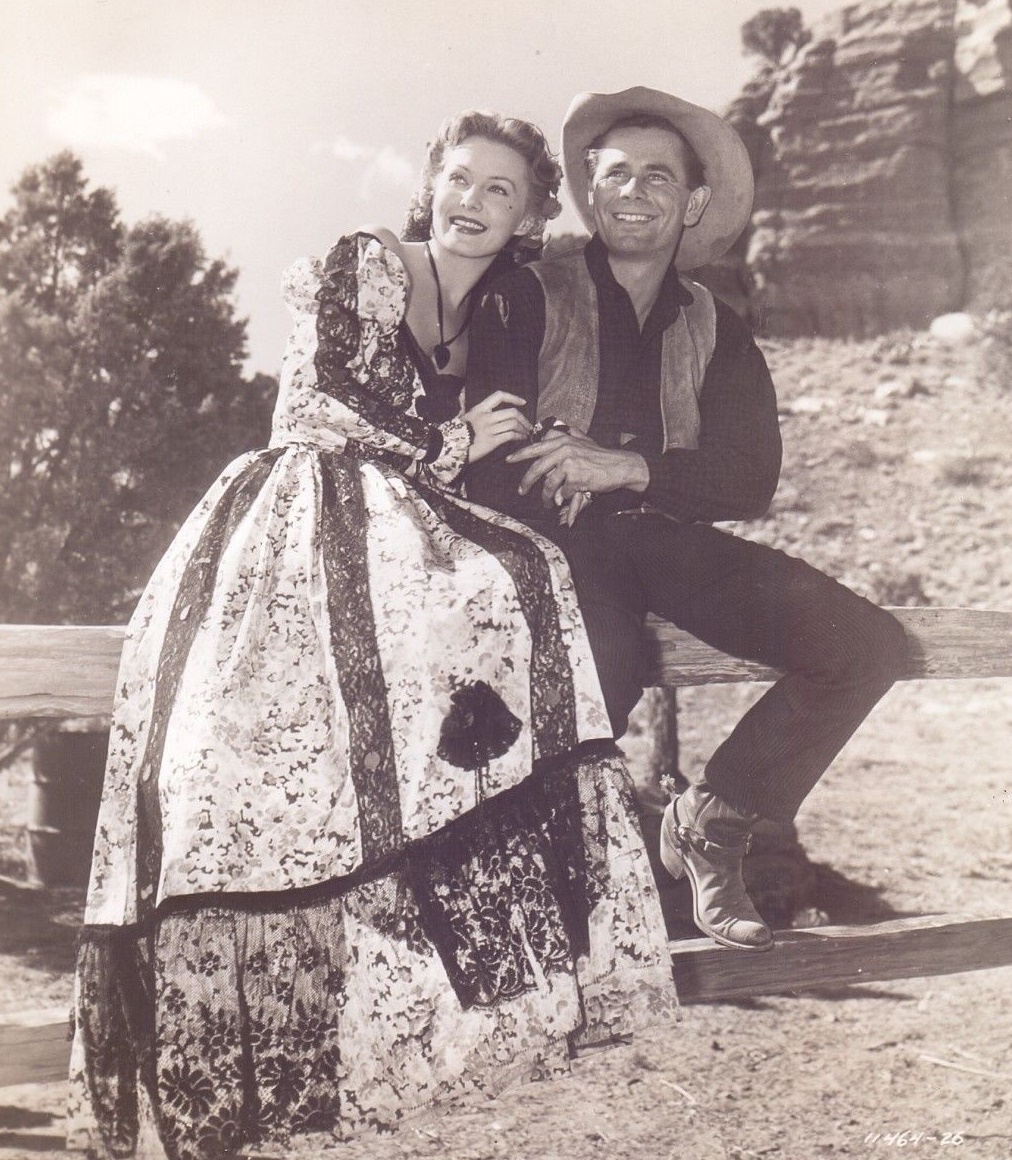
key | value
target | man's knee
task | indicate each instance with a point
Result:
(873, 651)
(890, 649)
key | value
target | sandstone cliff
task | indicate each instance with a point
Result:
(883, 158)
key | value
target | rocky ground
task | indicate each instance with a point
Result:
(897, 481)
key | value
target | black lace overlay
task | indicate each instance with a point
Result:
(353, 637)
(385, 397)
(241, 1016)
(115, 1020)
(514, 876)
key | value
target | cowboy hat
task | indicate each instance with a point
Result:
(725, 161)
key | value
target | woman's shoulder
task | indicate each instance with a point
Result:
(386, 237)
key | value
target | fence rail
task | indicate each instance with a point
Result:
(70, 670)
(51, 671)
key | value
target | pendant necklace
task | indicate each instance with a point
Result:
(441, 351)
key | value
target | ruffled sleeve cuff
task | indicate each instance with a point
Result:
(449, 446)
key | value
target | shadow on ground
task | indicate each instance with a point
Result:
(40, 927)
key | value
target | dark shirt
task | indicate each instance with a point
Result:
(731, 475)
(441, 400)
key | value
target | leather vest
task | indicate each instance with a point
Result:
(569, 360)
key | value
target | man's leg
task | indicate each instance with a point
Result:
(840, 654)
(613, 608)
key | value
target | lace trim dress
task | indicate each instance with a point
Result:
(364, 846)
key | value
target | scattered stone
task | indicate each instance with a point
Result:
(891, 389)
(806, 405)
(956, 329)
(875, 416)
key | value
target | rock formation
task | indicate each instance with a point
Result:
(883, 159)
(981, 154)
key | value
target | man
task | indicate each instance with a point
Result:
(664, 420)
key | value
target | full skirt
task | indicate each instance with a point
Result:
(362, 849)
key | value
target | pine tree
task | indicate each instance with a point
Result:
(121, 394)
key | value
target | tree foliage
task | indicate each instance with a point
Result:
(774, 34)
(59, 239)
(121, 394)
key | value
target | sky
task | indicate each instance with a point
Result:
(275, 126)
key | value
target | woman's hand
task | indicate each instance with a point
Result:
(495, 421)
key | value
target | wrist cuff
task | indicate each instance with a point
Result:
(456, 437)
(435, 447)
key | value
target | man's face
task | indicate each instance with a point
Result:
(641, 195)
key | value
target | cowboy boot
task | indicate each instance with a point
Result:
(704, 837)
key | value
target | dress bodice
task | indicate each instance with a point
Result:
(443, 393)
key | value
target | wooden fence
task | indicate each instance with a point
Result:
(70, 671)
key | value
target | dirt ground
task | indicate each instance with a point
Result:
(897, 481)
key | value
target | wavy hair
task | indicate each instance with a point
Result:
(519, 135)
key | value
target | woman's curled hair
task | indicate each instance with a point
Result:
(519, 135)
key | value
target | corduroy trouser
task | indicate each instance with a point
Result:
(839, 653)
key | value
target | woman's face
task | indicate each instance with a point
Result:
(480, 197)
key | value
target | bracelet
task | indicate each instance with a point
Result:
(543, 426)
(435, 447)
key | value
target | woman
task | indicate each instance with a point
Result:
(362, 847)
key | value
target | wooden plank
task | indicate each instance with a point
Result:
(801, 960)
(58, 670)
(34, 1052)
(945, 643)
(835, 956)
(70, 670)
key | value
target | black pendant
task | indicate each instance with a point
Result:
(440, 355)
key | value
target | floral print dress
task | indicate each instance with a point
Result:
(364, 845)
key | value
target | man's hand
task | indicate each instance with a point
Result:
(565, 463)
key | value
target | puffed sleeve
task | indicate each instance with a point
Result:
(362, 300)
(299, 285)
(345, 379)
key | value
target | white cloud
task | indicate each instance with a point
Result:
(387, 170)
(383, 168)
(344, 149)
(132, 113)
